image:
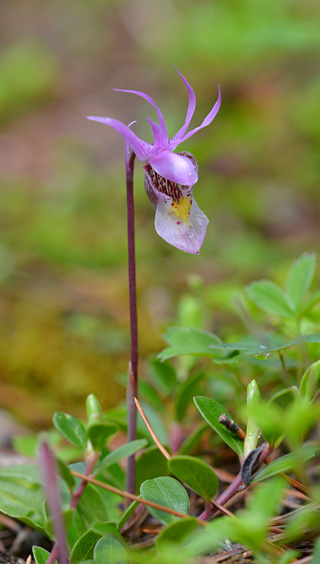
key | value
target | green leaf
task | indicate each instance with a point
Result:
(316, 553)
(109, 550)
(163, 376)
(286, 463)
(99, 433)
(65, 473)
(196, 474)
(309, 385)
(106, 528)
(91, 509)
(176, 532)
(270, 298)
(83, 548)
(300, 278)
(122, 452)
(21, 495)
(189, 340)
(150, 464)
(193, 439)
(71, 428)
(211, 411)
(127, 514)
(185, 394)
(167, 492)
(41, 555)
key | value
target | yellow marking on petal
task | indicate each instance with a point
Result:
(181, 209)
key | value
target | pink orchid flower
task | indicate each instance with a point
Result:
(170, 177)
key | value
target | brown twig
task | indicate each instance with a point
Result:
(151, 431)
(133, 497)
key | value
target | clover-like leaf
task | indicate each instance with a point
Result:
(167, 492)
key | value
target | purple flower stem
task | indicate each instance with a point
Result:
(77, 495)
(210, 510)
(132, 386)
(54, 554)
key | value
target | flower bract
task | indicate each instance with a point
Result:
(170, 177)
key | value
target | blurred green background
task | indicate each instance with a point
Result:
(63, 273)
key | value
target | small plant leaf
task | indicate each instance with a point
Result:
(270, 298)
(109, 550)
(164, 376)
(167, 492)
(150, 464)
(21, 495)
(71, 428)
(83, 548)
(211, 411)
(176, 532)
(65, 473)
(299, 278)
(286, 463)
(127, 514)
(41, 555)
(188, 340)
(186, 392)
(99, 433)
(122, 452)
(193, 439)
(106, 528)
(309, 385)
(196, 474)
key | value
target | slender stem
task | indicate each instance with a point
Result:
(132, 389)
(77, 495)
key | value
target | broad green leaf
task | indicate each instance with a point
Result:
(211, 411)
(41, 555)
(185, 394)
(176, 532)
(309, 385)
(286, 463)
(106, 528)
(99, 433)
(83, 548)
(150, 464)
(167, 492)
(270, 298)
(196, 474)
(121, 452)
(21, 495)
(300, 278)
(163, 375)
(71, 428)
(109, 550)
(189, 340)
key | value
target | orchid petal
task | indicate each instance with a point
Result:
(139, 147)
(191, 108)
(186, 235)
(174, 167)
(207, 120)
(156, 131)
(163, 127)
